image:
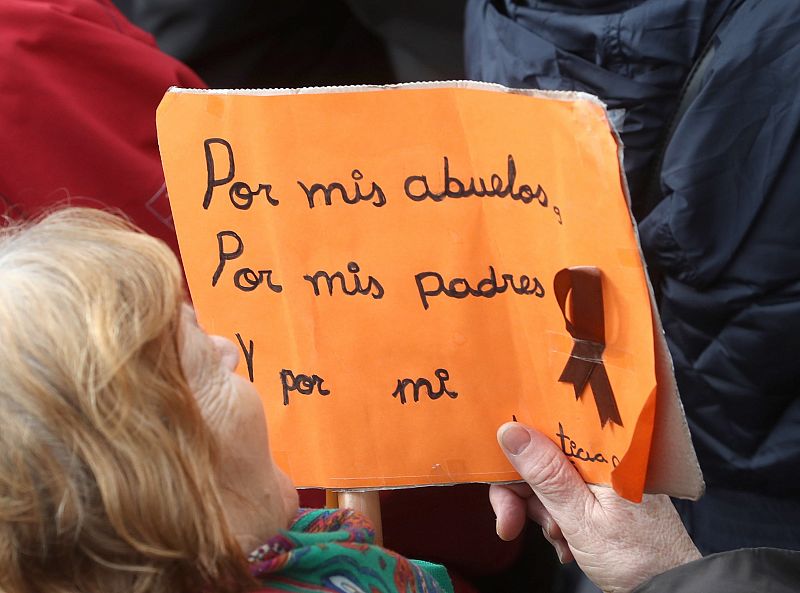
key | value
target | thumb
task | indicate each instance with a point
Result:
(548, 472)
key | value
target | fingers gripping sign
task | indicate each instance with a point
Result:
(514, 504)
(555, 496)
(618, 544)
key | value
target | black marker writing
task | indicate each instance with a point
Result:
(240, 193)
(375, 195)
(431, 284)
(571, 449)
(245, 279)
(418, 384)
(248, 355)
(418, 189)
(300, 383)
(373, 287)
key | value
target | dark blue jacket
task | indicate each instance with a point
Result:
(725, 237)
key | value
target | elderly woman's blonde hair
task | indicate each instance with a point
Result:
(107, 469)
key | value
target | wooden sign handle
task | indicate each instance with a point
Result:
(368, 503)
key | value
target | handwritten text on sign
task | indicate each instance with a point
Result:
(386, 261)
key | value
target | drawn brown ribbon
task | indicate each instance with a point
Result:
(586, 325)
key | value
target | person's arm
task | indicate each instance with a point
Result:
(618, 544)
(738, 571)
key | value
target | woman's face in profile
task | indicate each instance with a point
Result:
(259, 499)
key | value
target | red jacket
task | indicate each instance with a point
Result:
(80, 86)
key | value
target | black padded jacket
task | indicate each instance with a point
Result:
(724, 238)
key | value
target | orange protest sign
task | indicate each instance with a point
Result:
(406, 269)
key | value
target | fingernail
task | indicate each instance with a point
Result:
(515, 439)
(560, 554)
(546, 527)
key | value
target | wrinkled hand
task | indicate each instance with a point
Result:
(617, 543)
